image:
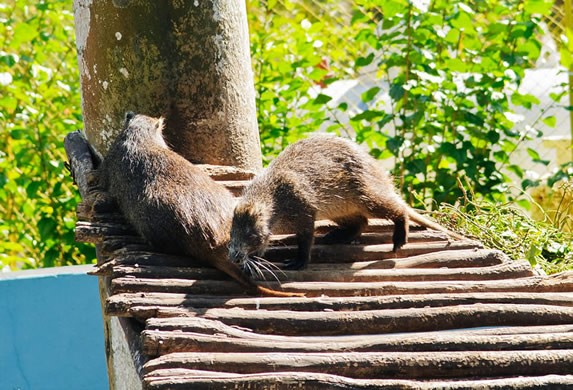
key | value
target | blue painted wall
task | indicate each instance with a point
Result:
(51, 331)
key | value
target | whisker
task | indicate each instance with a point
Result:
(255, 266)
(269, 264)
(246, 266)
(269, 271)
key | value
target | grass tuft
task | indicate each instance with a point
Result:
(508, 228)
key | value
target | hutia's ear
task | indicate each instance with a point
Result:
(160, 124)
(128, 117)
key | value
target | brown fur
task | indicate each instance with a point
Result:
(320, 177)
(173, 204)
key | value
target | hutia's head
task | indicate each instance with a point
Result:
(250, 232)
(144, 127)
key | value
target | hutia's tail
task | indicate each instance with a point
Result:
(267, 292)
(418, 218)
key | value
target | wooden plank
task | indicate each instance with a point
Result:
(377, 365)
(156, 343)
(159, 272)
(200, 287)
(561, 283)
(375, 225)
(351, 253)
(517, 269)
(452, 259)
(115, 246)
(291, 323)
(119, 304)
(471, 258)
(183, 379)
(367, 238)
(204, 326)
(147, 258)
(96, 232)
(96, 229)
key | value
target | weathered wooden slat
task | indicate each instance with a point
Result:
(183, 379)
(368, 238)
(159, 272)
(96, 229)
(471, 258)
(96, 232)
(375, 225)
(150, 259)
(200, 287)
(120, 304)
(204, 326)
(451, 259)
(291, 323)
(352, 253)
(517, 269)
(563, 283)
(156, 343)
(115, 246)
(378, 365)
(322, 253)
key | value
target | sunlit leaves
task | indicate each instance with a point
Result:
(38, 107)
(456, 68)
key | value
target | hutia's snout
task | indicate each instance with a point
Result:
(236, 255)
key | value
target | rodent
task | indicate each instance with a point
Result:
(321, 177)
(170, 202)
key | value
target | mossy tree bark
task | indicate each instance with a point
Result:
(188, 61)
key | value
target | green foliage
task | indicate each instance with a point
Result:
(285, 65)
(451, 72)
(506, 227)
(39, 104)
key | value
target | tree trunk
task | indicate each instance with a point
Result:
(187, 61)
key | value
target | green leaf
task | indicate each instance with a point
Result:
(370, 94)
(322, 99)
(393, 144)
(23, 33)
(32, 189)
(538, 6)
(526, 100)
(364, 61)
(396, 91)
(556, 97)
(550, 121)
(516, 169)
(47, 227)
(386, 119)
(368, 115)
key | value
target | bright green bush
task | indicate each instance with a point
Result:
(39, 104)
(455, 69)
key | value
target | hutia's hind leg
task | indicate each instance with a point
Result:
(349, 228)
(395, 209)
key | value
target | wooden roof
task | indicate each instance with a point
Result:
(439, 314)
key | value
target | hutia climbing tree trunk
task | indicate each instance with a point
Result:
(188, 61)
